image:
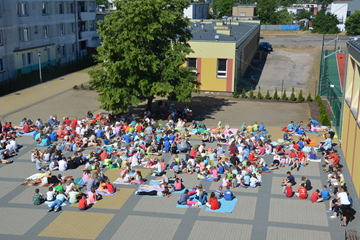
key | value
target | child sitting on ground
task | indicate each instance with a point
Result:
(83, 203)
(38, 197)
(228, 195)
(288, 190)
(219, 193)
(50, 194)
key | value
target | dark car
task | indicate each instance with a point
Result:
(265, 46)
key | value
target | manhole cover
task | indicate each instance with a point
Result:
(62, 79)
(17, 93)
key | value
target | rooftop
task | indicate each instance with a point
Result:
(238, 33)
(355, 42)
(245, 5)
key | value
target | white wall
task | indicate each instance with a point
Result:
(340, 10)
(197, 11)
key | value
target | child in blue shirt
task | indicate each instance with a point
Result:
(167, 145)
(221, 168)
(228, 195)
(325, 193)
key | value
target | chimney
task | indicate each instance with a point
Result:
(315, 10)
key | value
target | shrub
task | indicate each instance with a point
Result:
(324, 119)
(292, 96)
(303, 28)
(235, 94)
(90, 88)
(82, 86)
(75, 87)
(267, 96)
(284, 97)
(276, 97)
(259, 96)
(300, 97)
(243, 94)
(251, 94)
(309, 98)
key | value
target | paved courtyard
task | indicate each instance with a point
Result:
(261, 213)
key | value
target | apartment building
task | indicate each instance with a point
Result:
(55, 30)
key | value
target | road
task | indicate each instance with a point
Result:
(302, 40)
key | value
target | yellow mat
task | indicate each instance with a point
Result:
(77, 225)
(112, 202)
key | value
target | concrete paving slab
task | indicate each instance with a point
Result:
(17, 221)
(281, 233)
(219, 230)
(158, 205)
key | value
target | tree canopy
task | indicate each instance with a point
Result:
(284, 16)
(102, 2)
(142, 55)
(266, 11)
(303, 14)
(222, 7)
(325, 23)
(352, 24)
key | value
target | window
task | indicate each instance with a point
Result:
(0, 12)
(30, 59)
(242, 14)
(61, 8)
(2, 64)
(46, 31)
(24, 59)
(92, 6)
(49, 54)
(83, 26)
(20, 35)
(348, 13)
(62, 29)
(26, 34)
(72, 25)
(63, 50)
(18, 9)
(92, 25)
(191, 62)
(82, 6)
(44, 9)
(35, 30)
(73, 48)
(1, 37)
(221, 68)
(72, 8)
(25, 9)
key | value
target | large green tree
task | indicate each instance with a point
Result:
(222, 7)
(266, 11)
(142, 55)
(325, 23)
(284, 16)
(352, 24)
(102, 2)
(303, 14)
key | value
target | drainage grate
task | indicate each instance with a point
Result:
(62, 78)
(18, 93)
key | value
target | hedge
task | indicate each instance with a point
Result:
(324, 119)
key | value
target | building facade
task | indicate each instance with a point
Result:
(60, 31)
(222, 52)
(342, 10)
(350, 119)
(197, 11)
(244, 11)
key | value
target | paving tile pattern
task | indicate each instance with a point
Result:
(280, 233)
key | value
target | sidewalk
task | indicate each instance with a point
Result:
(40, 92)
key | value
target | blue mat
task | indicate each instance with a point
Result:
(261, 133)
(186, 206)
(154, 183)
(45, 146)
(311, 132)
(207, 179)
(308, 149)
(225, 206)
(79, 181)
(50, 203)
(26, 134)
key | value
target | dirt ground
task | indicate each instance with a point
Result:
(297, 66)
(207, 109)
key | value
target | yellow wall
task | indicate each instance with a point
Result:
(18, 61)
(209, 52)
(249, 11)
(350, 137)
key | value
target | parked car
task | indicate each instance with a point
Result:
(265, 46)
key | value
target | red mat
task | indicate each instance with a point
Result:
(312, 143)
(284, 129)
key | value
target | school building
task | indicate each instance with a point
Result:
(222, 52)
(350, 133)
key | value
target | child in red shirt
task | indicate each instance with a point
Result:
(82, 203)
(109, 186)
(213, 203)
(315, 196)
(288, 190)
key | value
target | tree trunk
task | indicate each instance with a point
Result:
(149, 104)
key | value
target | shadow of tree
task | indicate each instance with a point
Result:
(203, 107)
(254, 70)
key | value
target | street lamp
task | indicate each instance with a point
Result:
(39, 54)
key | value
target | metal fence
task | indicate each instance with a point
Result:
(280, 27)
(25, 80)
